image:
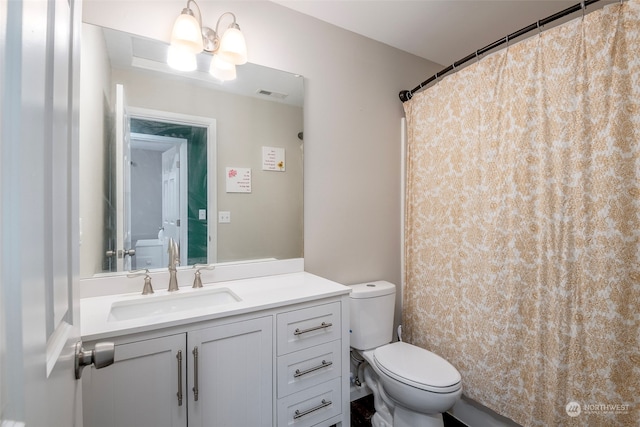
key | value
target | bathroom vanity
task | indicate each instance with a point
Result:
(262, 351)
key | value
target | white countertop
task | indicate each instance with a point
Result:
(256, 294)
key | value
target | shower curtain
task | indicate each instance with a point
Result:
(523, 224)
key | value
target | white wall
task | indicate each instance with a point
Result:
(352, 123)
(95, 93)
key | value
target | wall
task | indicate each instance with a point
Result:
(95, 83)
(351, 124)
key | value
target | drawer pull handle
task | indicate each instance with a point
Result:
(300, 373)
(179, 394)
(323, 325)
(299, 414)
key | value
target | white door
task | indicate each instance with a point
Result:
(171, 196)
(39, 220)
(123, 182)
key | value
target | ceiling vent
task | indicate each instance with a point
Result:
(272, 94)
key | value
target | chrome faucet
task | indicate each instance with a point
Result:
(174, 261)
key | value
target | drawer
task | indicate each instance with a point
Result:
(306, 368)
(311, 406)
(307, 327)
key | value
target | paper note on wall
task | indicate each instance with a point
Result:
(273, 159)
(238, 180)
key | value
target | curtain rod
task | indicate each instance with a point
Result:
(406, 95)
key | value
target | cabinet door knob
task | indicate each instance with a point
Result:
(101, 356)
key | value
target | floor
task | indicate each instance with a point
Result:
(362, 411)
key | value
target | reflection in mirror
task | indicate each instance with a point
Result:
(217, 166)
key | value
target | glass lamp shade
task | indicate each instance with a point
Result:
(233, 48)
(222, 70)
(181, 59)
(186, 33)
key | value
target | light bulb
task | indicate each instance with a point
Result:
(233, 47)
(181, 59)
(222, 70)
(187, 33)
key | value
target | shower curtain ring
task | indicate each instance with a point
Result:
(582, 5)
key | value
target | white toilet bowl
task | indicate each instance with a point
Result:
(417, 385)
(412, 387)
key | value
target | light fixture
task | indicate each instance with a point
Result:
(181, 59)
(190, 36)
(222, 70)
(186, 34)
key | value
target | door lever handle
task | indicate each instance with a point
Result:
(102, 355)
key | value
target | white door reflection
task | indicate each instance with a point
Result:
(159, 197)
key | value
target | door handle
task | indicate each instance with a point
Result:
(125, 252)
(121, 254)
(102, 355)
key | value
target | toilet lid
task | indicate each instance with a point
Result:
(417, 367)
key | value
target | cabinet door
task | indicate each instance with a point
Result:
(141, 388)
(231, 374)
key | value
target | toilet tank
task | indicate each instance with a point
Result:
(371, 314)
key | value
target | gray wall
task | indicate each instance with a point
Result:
(352, 124)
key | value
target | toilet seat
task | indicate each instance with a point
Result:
(417, 367)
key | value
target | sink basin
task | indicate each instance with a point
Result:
(173, 303)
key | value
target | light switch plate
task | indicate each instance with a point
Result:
(224, 217)
(202, 214)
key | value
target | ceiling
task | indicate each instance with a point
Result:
(442, 31)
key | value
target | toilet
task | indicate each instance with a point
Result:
(412, 387)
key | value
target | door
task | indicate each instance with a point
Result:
(208, 179)
(39, 222)
(231, 375)
(171, 196)
(123, 249)
(145, 387)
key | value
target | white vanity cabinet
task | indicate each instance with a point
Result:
(230, 378)
(214, 376)
(277, 357)
(309, 365)
(141, 387)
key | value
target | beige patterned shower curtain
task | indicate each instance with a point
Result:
(523, 224)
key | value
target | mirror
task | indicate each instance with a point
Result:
(215, 165)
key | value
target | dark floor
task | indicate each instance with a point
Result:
(362, 411)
